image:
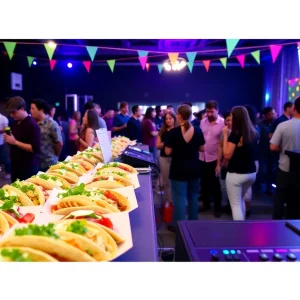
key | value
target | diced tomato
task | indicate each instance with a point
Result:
(28, 218)
(110, 196)
(54, 208)
(124, 168)
(103, 221)
(13, 215)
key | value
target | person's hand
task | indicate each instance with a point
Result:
(225, 131)
(9, 139)
(217, 170)
(76, 137)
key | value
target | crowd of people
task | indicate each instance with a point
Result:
(199, 155)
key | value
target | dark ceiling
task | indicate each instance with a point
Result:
(124, 51)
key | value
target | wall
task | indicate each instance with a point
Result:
(230, 87)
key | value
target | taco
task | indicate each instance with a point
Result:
(80, 198)
(64, 173)
(49, 182)
(69, 166)
(33, 192)
(87, 156)
(24, 254)
(109, 181)
(96, 152)
(10, 215)
(92, 232)
(61, 244)
(124, 167)
(84, 163)
(8, 192)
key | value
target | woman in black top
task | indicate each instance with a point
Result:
(239, 148)
(168, 123)
(183, 144)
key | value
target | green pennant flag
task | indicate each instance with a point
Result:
(92, 51)
(224, 61)
(111, 64)
(256, 55)
(30, 60)
(190, 66)
(231, 44)
(10, 48)
(50, 50)
(160, 67)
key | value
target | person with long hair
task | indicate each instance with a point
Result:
(168, 123)
(88, 136)
(252, 115)
(239, 149)
(74, 127)
(183, 144)
(149, 132)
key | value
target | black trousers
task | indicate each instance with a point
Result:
(287, 192)
(210, 185)
(23, 173)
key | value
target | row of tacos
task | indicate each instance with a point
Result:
(75, 239)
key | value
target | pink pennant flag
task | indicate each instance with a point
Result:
(298, 45)
(143, 61)
(52, 64)
(147, 66)
(206, 64)
(87, 65)
(275, 49)
(241, 59)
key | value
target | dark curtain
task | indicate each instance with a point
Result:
(276, 77)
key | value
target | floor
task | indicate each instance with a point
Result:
(261, 209)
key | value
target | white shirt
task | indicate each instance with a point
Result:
(3, 124)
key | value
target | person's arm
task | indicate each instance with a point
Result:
(273, 128)
(229, 144)
(169, 143)
(73, 128)
(159, 144)
(57, 138)
(116, 125)
(89, 137)
(201, 141)
(102, 123)
(276, 140)
(149, 126)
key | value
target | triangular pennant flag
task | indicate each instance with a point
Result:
(224, 61)
(92, 51)
(173, 57)
(10, 48)
(111, 64)
(298, 45)
(52, 64)
(50, 50)
(160, 67)
(241, 59)
(143, 61)
(231, 44)
(142, 53)
(190, 66)
(256, 55)
(30, 60)
(206, 64)
(275, 49)
(191, 56)
(147, 66)
(87, 65)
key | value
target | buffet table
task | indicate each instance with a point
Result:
(143, 226)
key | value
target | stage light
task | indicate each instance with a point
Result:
(57, 103)
(51, 44)
(34, 63)
(69, 65)
(267, 97)
(176, 66)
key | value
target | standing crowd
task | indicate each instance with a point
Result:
(240, 151)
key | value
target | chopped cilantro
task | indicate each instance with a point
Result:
(6, 198)
(78, 227)
(42, 230)
(23, 187)
(89, 252)
(43, 176)
(77, 190)
(15, 255)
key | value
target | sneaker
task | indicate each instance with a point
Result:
(7, 176)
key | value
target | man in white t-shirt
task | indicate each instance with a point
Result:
(4, 153)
